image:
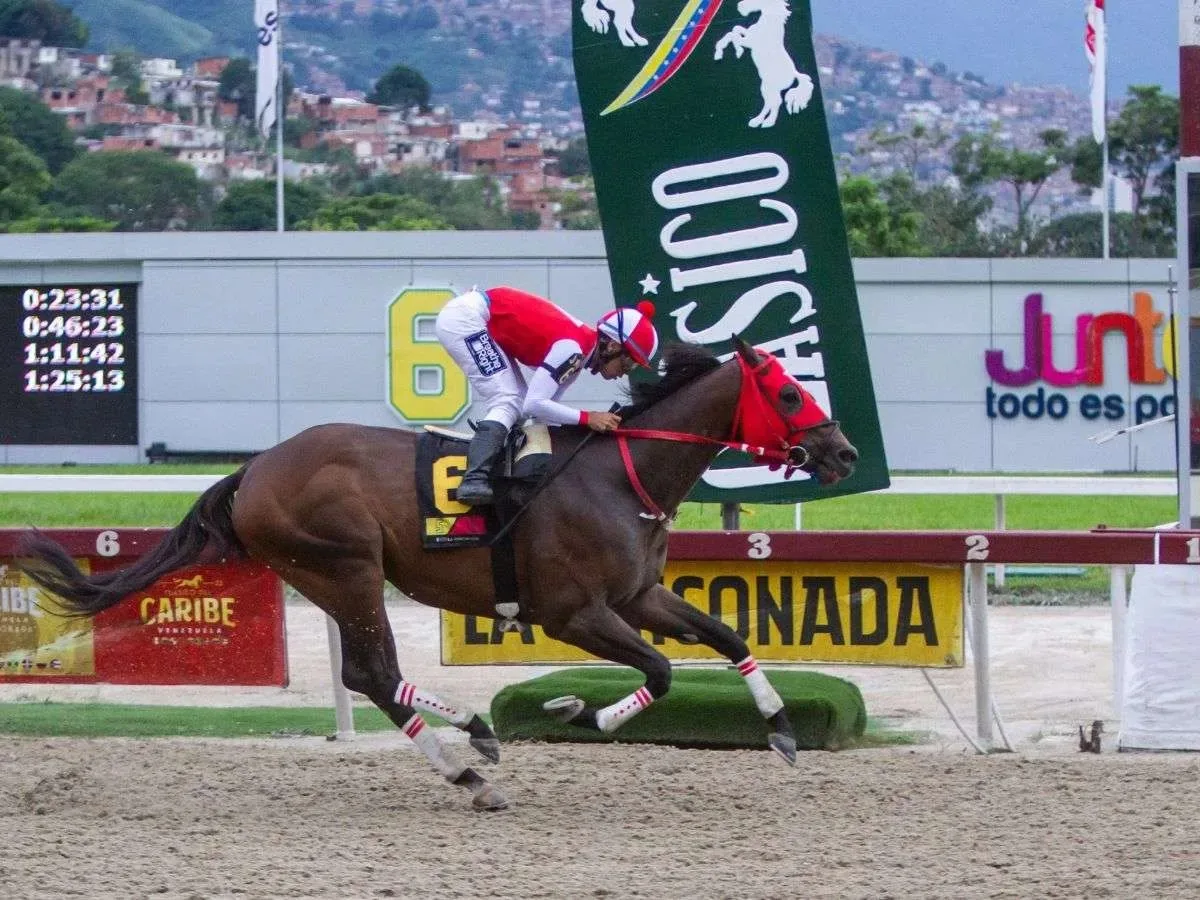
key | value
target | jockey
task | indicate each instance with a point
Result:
(489, 332)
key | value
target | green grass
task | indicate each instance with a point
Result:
(860, 512)
(870, 512)
(89, 720)
(705, 708)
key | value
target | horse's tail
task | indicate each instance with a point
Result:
(207, 530)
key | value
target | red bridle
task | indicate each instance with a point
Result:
(759, 428)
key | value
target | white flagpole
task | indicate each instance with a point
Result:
(1104, 179)
(1096, 47)
(269, 89)
(281, 117)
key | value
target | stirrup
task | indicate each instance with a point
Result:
(506, 617)
(477, 494)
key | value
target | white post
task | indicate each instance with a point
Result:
(342, 711)
(977, 596)
(799, 522)
(998, 568)
(280, 119)
(1119, 596)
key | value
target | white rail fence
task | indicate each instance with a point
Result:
(999, 486)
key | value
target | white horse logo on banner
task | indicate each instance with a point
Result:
(621, 16)
(781, 82)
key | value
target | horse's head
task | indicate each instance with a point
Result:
(746, 7)
(777, 410)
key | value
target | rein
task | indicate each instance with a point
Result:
(654, 511)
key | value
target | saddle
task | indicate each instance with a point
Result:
(448, 524)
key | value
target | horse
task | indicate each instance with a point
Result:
(780, 81)
(622, 18)
(333, 512)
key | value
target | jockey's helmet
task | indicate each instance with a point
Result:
(633, 329)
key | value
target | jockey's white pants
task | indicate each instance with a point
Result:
(496, 381)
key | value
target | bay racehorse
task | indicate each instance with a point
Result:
(333, 512)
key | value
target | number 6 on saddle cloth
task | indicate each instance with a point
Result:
(445, 523)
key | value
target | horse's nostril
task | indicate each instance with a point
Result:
(848, 455)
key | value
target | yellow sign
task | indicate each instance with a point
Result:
(36, 638)
(424, 383)
(862, 613)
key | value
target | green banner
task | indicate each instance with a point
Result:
(719, 202)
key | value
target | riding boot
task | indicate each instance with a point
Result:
(485, 447)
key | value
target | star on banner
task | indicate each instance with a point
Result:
(650, 284)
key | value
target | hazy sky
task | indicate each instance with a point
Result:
(1033, 41)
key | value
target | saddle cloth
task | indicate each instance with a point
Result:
(441, 462)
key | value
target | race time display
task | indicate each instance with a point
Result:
(68, 364)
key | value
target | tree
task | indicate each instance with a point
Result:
(127, 74)
(913, 148)
(140, 190)
(873, 227)
(377, 212)
(948, 216)
(49, 224)
(38, 127)
(42, 20)
(577, 210)
(250, 205)
(467, 204)
(573, 159)
(23, 180)
(1143, 142)
(237, 84)
(1079, 235)
(401, 87)
(981, 160)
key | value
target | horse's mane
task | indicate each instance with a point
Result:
(682, 364)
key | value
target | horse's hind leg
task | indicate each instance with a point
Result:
(370, 667)
(666, 614)
(598, 630)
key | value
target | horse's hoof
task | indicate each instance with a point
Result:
(564, 708)
(488, 748)
(785, 746)
(488, 798)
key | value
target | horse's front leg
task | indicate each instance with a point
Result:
(595, 17)
(600, 631)
(736, 36)
(668, 615)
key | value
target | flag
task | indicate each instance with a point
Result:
(266, 24)
(1095, 45)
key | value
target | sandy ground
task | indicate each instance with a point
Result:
(305, 817)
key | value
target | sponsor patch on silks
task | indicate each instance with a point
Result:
(567, 370)
(488, 357)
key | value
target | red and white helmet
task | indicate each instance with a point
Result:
(633, 329)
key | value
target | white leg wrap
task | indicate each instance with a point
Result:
(431, 746)
(613, 717)
(409, 694)
(765, 696)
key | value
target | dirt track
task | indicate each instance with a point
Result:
(309, 818)
(203, 819)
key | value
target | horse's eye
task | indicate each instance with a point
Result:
(789, 394)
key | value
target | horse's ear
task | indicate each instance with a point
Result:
(745, 351)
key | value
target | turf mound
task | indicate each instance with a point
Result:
(709, 708)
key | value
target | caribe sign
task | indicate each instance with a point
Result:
(719, 202)
(1088, 370)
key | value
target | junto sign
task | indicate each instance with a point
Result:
(1137, 332)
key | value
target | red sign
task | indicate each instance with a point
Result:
(219, 624)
